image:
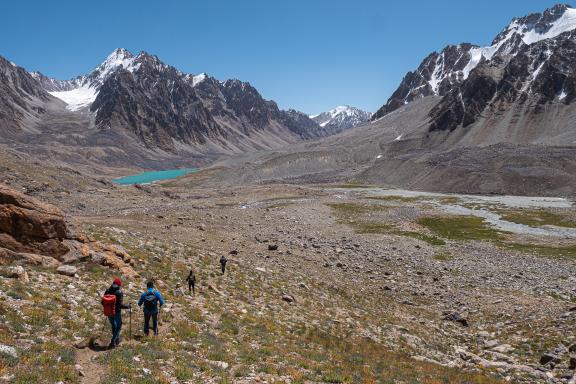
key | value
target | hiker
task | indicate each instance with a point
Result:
(223, 261)
(191, 280)
(151, 298)
(113, 306)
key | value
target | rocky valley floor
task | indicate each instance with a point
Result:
(325, 284)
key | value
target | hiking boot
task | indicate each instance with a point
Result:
(112, 345)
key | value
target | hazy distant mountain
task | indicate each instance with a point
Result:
(341, 118)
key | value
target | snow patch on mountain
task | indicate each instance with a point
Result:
(567, 22)
(198, 79)
(77, 98)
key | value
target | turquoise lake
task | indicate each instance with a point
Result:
(150, 177)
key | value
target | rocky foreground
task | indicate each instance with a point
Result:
(323, 286)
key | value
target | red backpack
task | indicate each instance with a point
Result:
(109, 303)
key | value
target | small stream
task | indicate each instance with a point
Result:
(486, 207)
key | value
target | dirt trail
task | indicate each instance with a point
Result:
(86, 358)
(92, 370)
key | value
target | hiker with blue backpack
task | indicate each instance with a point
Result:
(151, 299)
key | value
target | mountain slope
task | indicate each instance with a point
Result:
(21, 97)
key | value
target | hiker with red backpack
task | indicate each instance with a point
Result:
(113, 305)
(150, 299)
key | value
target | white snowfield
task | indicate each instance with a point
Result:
(77, 98)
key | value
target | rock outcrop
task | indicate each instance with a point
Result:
(33, 232)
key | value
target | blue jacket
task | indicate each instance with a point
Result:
(158, 297)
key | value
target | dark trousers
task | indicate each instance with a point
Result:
(147, 317)
(223, 267)
(116, 323)
(191, 287)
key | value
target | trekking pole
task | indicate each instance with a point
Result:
(103, 326)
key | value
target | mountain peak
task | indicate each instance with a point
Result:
(341, 117)
(540, 26)
(120, 53)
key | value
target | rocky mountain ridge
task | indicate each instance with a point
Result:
(166, 108)
(524, 56)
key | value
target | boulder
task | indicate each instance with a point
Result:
(288, 298)
(17, 272)
(67, 270)
(549, 357)
(30, 226)
(455, 317)
(32, 232)
(503, 348)
(211, 287)
(8, 350)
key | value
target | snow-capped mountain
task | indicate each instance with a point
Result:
(165, 107)
(81, 91)
(341, 118)
(537, 43)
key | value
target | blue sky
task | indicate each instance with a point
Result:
(309, 55)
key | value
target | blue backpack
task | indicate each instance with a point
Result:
(150, 301)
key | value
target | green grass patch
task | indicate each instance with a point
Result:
(460, 228)
(348, 209)
(538, 218)
(402, 199)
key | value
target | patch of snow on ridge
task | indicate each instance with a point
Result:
(77, 98)
(198, 79)
(565, 23)
(437, 77)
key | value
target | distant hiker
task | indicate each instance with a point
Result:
(113, 305)
(223, 261)
(151, 298)
(191, 280)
